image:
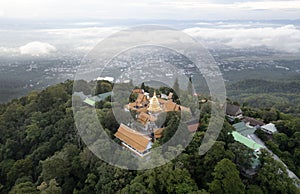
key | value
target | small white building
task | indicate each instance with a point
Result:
(110, 79)
(269, 128)
(164, 96)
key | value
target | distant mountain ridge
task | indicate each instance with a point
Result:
(264, 86)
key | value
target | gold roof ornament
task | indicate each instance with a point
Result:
(154, 105)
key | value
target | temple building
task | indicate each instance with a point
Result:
(136, 142)
(138, 91)
(140, 103)
(142, 100)
(154, 106)
(158, 133)
(139, 138)
(145, 118)
(171, 106)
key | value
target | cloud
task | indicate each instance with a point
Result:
(217, 34)
(5, 50)
(269, 5)
(79, 39)
(285, 38)
(146, 9)
(85, 32)
(37, 48)
(84, 48)
(251, 5)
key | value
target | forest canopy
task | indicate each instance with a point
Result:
(41, 152)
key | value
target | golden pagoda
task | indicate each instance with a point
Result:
(154, 106)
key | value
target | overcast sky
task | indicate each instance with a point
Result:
(86, 29)
(150, 9)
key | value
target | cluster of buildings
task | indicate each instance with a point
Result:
(139, 142)
(247, 124)
(246, 128)
(147, 109)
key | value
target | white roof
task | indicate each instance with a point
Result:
(110, 79)
(270, 127)
(164, 96)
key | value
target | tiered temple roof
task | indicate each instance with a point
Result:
(158, 133)
(141, 99)
(137, 142)
(138, 91)
(134, 139)
(171, 106)
(144, 118)
(154, 105)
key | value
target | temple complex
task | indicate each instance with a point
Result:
(139, 140)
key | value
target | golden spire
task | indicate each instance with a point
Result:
(154, 104)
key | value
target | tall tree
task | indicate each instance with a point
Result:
(102, 87)
(143, 86)
(273, 177)
(82, 86)
(226, 179)
(53, 188)
(190, 86)
(215, 154)
(165, 179)
(242, 155)
(26, 187)
(176, 87)
(54, 167)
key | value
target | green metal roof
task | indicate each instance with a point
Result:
(104, 95)
(95, 98)
(243, 129)
(244, 140)
(240, 126)
(92, 100)
(89, 102)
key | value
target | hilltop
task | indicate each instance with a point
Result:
(41, 152)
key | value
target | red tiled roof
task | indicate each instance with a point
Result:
(133, 138)
(158, 132)
(144, 118)
(138, 90)
(193, 127)
(141, 99)
(171, 106)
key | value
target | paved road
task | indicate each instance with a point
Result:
(259, 141)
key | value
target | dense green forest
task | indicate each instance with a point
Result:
(41, 152)
(257, 93)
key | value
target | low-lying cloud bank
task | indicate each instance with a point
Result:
(81, 39)
(282, 37)
(34, 48)
(285, 38)
(37, 48)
